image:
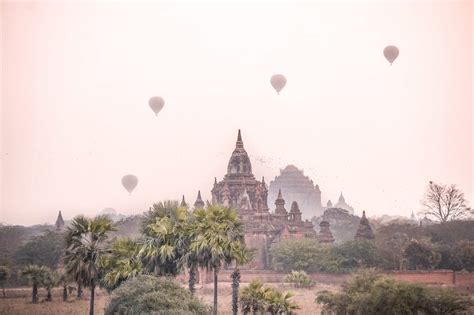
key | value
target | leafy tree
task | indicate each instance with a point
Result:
(46, 250)
(392, 239)
(5, 274)
(444, 203)
(164, 227)
(35, 274)
(451, 232)
(145, 294)
(86, 251)
(446, 301)
(421, 255)
(372, 294)
(122, 263)
(464, 253)
(216, 233)
(299, 254)
(357, 254)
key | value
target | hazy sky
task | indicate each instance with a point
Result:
(76, 79)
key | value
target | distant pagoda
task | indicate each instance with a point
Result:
(300, 188)
(59, 222)
(341, 204)
(364, 231)
(325, 234)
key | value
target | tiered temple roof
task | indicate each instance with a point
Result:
(325, 234)
(300, 188)
(364, 231)
(240, 190)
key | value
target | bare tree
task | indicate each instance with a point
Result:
(444, 203)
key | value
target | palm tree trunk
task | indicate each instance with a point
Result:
(215, 292)
(34, 294)
(91, 308)
(65, 292)
(49, 296)
(192, 279)
(235, 290)
(79, 290)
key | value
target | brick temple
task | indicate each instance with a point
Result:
(240, 190)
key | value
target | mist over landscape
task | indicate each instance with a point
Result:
(76, 80)
(236, 158)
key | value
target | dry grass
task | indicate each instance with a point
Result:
(303, 297)
(18, 301)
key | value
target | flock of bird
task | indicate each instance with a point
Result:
(277, 81)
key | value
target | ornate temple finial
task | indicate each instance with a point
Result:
(341, 198)
(364, 230)
(199, 202)
(263, 180)
(215, 181)
(183, 202)
(279, 194)
(239, 143)
(59, 222)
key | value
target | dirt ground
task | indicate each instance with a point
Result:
(18, 301)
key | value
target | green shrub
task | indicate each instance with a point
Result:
(309, 256)
(299, 279)
(371, 294)
(299, 254)
(147, 294)
(257, 298)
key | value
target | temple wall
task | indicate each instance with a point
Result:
(462, 280)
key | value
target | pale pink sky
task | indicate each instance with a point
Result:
(76, 79)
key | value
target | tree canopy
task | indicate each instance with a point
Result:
(146, 294)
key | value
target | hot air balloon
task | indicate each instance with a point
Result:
(391, 53)
(156, 103)
(278, 82)
(129, 182)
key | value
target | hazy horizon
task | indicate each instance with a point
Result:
(76, 79)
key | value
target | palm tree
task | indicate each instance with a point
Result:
(5, 273)
(216, 231)
(240, 256)
(86, 251)
(64, 280)
(164, 228)
(78, 226)
(279, 303)
(34, 273)
(252, 297)
(122, 263)
(49, 280)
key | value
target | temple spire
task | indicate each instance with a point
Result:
(239, 143)
(59, 222)
(199, 202)
(364, 230)
(183, 202)
(279, 194)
